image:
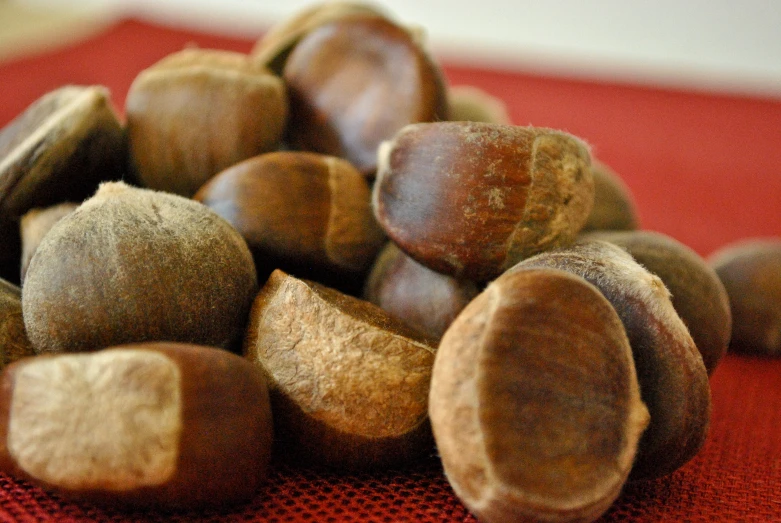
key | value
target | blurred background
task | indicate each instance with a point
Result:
(713, 46)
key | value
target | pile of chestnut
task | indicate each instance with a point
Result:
(323, 233)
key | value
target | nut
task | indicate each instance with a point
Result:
(60, 148)
(673, 379)
(149, 425)
(14, 343)
(353, 83)
(197, 112)
(349, 384)
(302, 212)
(472, 104)
(534, 400)
(751, 273)
(614, 207)
(423, 299)
(472, 199)
(696, 292)
(274, 47)
(35, 224)
(134, 265)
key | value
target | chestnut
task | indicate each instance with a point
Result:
(751, 273)
(673, 378)
(348, 382)
(355, 81)
(60, 148)
(471, 199)
(614, 206)
(131, 265)
(305, 213)
(534, 403)
(199, 111)
(696, 291)
(151, 425)
(274, 47)
(424, 299)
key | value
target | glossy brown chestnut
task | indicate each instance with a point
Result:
(303, 212)
(423, 299)
(696, 292)
(60, 148)
(472, 199)
(274, 47)
(353, 83)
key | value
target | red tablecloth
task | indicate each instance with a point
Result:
(705, 169)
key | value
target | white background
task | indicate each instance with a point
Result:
(715, 45)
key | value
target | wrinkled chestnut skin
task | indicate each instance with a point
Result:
(348, 382)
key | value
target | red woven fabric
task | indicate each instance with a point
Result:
(705, 169)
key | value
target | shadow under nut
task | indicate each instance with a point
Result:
(472, 199)
(673, 379)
